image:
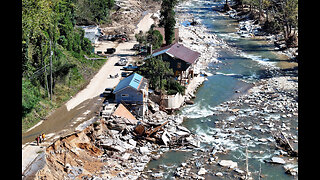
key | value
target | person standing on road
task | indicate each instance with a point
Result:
(40, 139)
(37, 139)
(43, 136)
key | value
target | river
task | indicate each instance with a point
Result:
(238, 70)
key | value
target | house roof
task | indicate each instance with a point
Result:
(179, 51)
(122, 111)
(135, 81)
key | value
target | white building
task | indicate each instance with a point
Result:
(92, 33)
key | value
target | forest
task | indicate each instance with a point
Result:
(53, 65)
(276, 16)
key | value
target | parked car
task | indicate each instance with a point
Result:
(110, 51)
(122, 62)
(130, 67)
(107, 92)
(125, 74)
(124, 59)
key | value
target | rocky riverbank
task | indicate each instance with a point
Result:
(257, 120)
(249, 28)
(118, 148)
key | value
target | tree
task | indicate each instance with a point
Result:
(226, 6)
(154, 37)
(93, 11)
(167, 20)
(157, 71)
(285, 12)
(30, 96)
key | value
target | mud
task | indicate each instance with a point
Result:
(63, 121)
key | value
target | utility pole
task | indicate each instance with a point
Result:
(50, 72)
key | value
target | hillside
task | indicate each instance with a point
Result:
(50, 33)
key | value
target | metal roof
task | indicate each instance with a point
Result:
(178, 51)
(134, 81)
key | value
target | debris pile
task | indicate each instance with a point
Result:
(115, 147)
(127, 15)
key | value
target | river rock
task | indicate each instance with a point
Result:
(277, 160)
(219, 174)
(291, 169)
(144, 150)
(157, 175)
(202, 171)
(228, 163)
(239, 171)
(125, 156)
(165, 138)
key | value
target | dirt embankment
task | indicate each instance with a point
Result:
(71, 157)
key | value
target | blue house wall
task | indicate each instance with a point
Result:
(133, 90)
(134, 96)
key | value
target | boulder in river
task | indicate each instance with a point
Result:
(228, 163)
(291, 169)
(202, 171)
(276, 160)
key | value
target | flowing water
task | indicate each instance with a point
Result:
(236, 72)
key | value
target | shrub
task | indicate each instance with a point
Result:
(30, 96)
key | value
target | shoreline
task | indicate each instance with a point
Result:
(175, 122)
(248, 29)
(106, 136)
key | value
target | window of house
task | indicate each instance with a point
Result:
(124, 95)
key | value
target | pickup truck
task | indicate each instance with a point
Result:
(130, 67)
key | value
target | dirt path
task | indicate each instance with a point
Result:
(78, 109)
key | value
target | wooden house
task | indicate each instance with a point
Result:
(181, 59)
(132, 91)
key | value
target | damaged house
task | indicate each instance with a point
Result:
(181, 59)
(132, 91)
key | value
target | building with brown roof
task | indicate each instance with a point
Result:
(181, 59)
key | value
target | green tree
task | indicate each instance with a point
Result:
(287, 15)
(93, 11)
(30, 96)
(157, 71)
(154, 37)
(167, 19)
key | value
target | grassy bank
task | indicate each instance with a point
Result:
(64, 87)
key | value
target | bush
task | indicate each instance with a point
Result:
(30, 96)
(271, 27)
(173, 87)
